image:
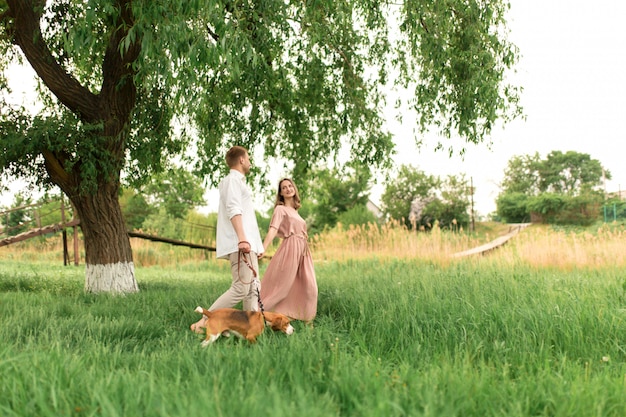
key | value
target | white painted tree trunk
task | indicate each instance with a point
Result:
(118, 278)
(108, 255)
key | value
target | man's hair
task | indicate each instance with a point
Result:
(233, 155)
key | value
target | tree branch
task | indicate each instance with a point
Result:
(27, 35)
(118, 93)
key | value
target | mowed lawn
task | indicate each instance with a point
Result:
(392, 338)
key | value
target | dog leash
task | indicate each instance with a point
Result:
(242, 255)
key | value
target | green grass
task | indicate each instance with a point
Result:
(398, 338)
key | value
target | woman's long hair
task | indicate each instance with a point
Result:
(280, 200)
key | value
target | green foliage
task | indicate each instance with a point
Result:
(571, 173)
(409, 184)
(15, 220)
(522, 175)
(512, 207)
(201, 228)
(456, 50)
(335, 191)
(455, 192)
(583, 209)
(195, 228)
(358, 215)
(568, 173)
(420, 199)
(160, 224)
(78, 145)
(263, 222)
(266, 73)
(614, 209)
(447, 216)
(546, 203)
(175, 190)
(307, 212)
(135, 209)
(562, 188)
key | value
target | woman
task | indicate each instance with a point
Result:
(289, 286)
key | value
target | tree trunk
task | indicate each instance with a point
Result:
(109, 260)
(108, 255)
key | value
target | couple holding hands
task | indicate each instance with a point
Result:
(289, 284)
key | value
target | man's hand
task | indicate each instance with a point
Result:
(244, 246)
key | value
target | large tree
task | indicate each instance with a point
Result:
(559, 172)
(296, 79)
(563, 187)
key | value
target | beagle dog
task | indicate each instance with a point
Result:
(245, 324)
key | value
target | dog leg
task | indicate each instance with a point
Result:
(200, 325)
(206, 342)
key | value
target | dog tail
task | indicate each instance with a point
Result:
(202, 311)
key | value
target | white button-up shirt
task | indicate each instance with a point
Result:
(235, 199)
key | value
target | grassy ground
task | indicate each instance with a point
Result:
(393, 337)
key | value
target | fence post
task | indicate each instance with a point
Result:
(66, 256)
(75, 246)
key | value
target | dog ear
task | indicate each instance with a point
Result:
(278, 323)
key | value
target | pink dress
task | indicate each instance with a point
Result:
(289, 286)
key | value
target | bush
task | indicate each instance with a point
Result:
(358, 215)
(512, 207)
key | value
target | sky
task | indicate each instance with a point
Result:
(573, 73)
(572, 69)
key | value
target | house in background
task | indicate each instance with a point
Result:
(371, 206)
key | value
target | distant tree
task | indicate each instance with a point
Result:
(358, 215)
(201, 228)
(562, 188)
(135, 208)
(562, 173)
(176, 190)
(455, 195)
(582, 209)
(522, 175)
(336, 191)
(547, 204)
(307, 212)
(17, 219)
(263, 221)
(53, 209)
(409, 184)
(418, 199)
(570, 173)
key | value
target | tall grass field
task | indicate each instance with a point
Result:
(534, 328)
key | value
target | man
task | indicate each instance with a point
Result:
(238, 236)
